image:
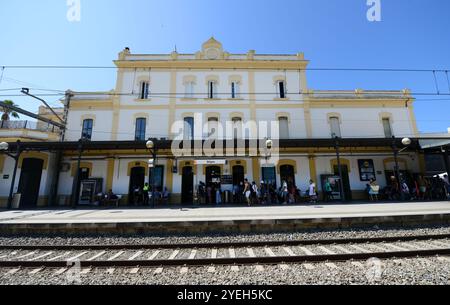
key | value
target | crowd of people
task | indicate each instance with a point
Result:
(143, 195)
(251, 193)
(418, 188)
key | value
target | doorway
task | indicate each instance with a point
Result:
(30, 182)
(137, 180)
(345, 181)
(213, 174)
(238, 174)
(287, 173)
(187, 186)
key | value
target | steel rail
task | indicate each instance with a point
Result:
(269, 260)
(223, 245)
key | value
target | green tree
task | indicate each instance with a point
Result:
(7, 113)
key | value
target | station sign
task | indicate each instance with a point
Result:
(210, 162)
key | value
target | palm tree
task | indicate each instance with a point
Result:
(8, 112)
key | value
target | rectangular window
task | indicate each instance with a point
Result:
(140, 129)
(282, 89)
(237, 128)
(145, 90)
(87, 129)
(284, 127)
(189, 90)
(213, 124)
(189, 128)
(335, 127)
(387, 128)
(157, 173)
(212, 90)
(234, 90)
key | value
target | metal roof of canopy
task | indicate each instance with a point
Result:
(167, 144)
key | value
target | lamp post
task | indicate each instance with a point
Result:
(4, 147)
(151, 164)
(406, 142)
(76, 183)
(338, 159)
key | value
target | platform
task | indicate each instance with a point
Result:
(230, 219)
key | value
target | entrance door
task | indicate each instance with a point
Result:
(187, 186)
(345, 180)
(30, 182)
(238, 174)
(212, 178)
(137, 180)
(287, 173)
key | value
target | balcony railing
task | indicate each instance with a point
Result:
(29, 125)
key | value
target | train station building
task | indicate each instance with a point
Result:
(210, 116)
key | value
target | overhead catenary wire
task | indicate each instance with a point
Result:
(225, 68)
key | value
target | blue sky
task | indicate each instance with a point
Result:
(331, 33)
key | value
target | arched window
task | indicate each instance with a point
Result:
(141, 125)
(189, 90)
(213, 125)
(387, 128)
(88, 125)
(281, 89)
(189, 128)
(335, 127)
(212, 89)
(235, 90)
(144, 90)
(237, 127)
(284, 127)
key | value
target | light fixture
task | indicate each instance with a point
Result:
(269, 144)
(4, 146)
(406, 141)
(151, 163)
(150, 144)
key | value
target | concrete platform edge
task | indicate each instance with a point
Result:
(235, 226)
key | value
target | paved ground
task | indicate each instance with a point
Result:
(88, 216)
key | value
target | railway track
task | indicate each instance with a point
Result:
(228, 253)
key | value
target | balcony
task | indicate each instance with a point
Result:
(29, 130)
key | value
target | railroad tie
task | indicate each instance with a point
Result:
(356, 264)
(270, 253)
(41, 256)
(26, 255)
(34, 271)
(59, 256)
(13, 271)
(418, 247)
(251, 253)
(136, 255)
(116, 255)
(154, 255)
(60, 271)
(328, 251)
(191, 257)
(174, 254)
(212, 269)
(309, 253)
(96, 256)
(232, 254)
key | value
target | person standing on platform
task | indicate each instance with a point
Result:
(218, 194)
(328, 191)
(312, 192)
(145, 192)
(247, 192)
